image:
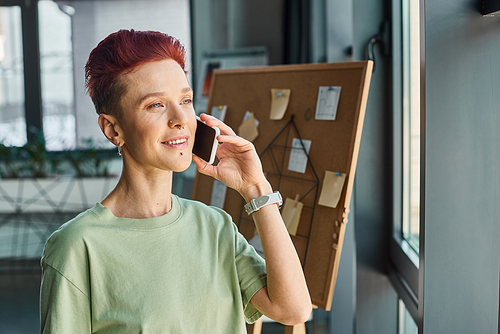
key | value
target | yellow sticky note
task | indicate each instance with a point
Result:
(248, 129)
(279, 103)
(291, 215)
(333, 183)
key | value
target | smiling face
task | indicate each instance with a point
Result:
(157, 121)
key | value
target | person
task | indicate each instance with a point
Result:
(144, 260)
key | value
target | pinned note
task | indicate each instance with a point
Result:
(247, 114)
(291, 214)
(248, 129)
(328, 101)
(218, 196)
(279, 103)
(219, 112)
(333, 183)
(298, 157)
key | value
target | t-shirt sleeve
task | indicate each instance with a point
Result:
(64, 308)
(252, 275)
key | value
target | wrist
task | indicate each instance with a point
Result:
(257, 190)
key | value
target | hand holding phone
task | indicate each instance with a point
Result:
(205, 141)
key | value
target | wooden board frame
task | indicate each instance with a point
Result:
(335, 147)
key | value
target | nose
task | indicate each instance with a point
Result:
(178, 126)
(178, 119)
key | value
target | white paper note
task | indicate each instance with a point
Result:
(328, 101)
(219, 112)
(218, 196)
(298, 158)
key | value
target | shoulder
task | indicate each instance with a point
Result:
(70, 237)
(200, 210)
(208, 218)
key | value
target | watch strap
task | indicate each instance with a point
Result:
(258, 203)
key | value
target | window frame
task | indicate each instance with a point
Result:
(31, 63)
(406, 266)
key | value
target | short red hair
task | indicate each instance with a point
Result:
(120, 52)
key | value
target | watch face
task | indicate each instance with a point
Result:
(263, 200)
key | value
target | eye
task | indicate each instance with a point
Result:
(155, 105)
(187, 101)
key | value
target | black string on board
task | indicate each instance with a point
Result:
(269, 152)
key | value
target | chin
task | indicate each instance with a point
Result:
(182, 167)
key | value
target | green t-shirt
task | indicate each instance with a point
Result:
(189, 271)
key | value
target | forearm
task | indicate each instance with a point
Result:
(286, 298)
(286, 287)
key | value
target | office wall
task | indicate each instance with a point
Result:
(376, 300)
(462, 202)
(338, 44)
(364, 300)
(228, 24)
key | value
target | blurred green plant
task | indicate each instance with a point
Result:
(33, 160)
(8, 166)
(90, 161)
(38, 163)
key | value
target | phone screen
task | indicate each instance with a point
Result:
(205, 142)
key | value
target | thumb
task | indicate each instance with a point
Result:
(203, 167)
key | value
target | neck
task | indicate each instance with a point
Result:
(141, 194)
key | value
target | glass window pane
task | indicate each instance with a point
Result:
(56, 64)
(12, 116)
(406, 323)
(411, 121)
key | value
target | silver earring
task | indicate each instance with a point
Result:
(119, 149)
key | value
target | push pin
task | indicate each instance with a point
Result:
(334, 235)
(280, 94)
(337, 173)
(334, 246)
(330, 88)
(221, 107)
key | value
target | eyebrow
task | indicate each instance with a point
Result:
(184, 90)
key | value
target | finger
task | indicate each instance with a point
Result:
(212, 121)
(203, 167)
(233, 140)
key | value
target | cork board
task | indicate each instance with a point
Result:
(334, 148)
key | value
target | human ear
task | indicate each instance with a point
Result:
(110, 128)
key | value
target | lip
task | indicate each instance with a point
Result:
(177, 146)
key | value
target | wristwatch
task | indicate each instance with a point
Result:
(256, 204)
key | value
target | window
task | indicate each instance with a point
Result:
(12, 116)
(411, 122)
(407, 58)
(56, 71)
(406, 324)
(407, 129)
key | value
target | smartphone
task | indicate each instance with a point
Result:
(205, 141)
